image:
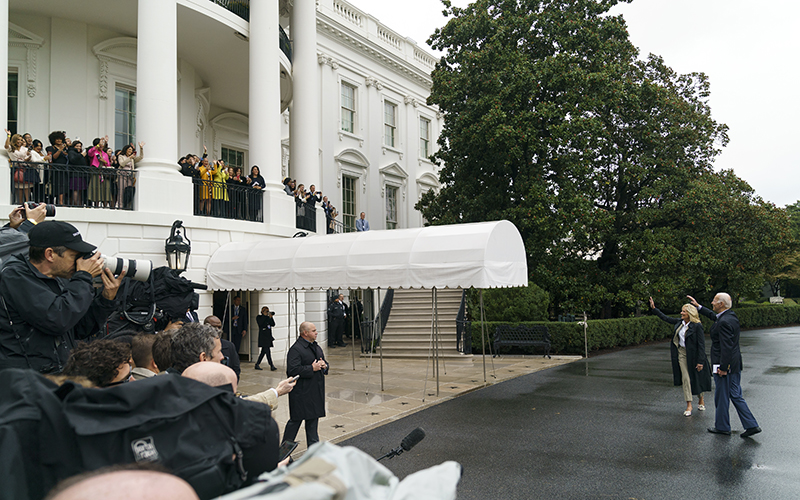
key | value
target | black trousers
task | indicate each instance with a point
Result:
(236, 338)
(293, 426)
(337, 330)
(265, 351)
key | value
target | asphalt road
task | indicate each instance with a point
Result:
(613, 427)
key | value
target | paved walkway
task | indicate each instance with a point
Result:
(355, 402)
(612, 427)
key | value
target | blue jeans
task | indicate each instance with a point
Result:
(728, 390)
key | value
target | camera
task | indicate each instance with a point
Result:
(138, 270)
(50, 211)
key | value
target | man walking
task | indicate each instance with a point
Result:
(727, 358)
(307, 401)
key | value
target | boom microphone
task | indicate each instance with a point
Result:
(408, 442)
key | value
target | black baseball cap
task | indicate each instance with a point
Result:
(56, 233)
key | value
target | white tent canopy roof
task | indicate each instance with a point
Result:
(480, 255)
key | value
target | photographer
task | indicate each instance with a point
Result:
(47, 300)
(265, 322)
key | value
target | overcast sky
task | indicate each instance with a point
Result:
(749, 50)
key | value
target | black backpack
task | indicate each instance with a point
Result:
(37, 446)
(200, 433)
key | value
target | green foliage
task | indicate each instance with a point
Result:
(510, 304)
(568, 338)
(602, 161)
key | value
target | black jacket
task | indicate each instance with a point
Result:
(47, 315)
(265, 324)
(724, 340)
(695, 355)
(307, 399)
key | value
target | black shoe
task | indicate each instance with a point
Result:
(342, 344)
(258, 367)
(331, 347)
(272, 368)
(714, 430)
(749, 432)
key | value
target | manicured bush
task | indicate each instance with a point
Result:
(567, 338)
(510, 304)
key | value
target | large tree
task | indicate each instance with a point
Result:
(553, 122)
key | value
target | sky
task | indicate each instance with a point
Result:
(749, 50)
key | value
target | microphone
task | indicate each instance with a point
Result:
(408, 442)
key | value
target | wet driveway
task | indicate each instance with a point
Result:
(613, 427)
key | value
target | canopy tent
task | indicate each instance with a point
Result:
(480, 255)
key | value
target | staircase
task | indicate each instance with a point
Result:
(408, 331)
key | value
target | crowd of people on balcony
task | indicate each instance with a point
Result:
(308, 199)
(64, 172)
(223, 190)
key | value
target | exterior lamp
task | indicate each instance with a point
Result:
(178, 248)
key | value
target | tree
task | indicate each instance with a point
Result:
(552, 122)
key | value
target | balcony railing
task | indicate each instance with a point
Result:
(227, 200)
(72, 185)
(337, 227)
(306, 215)
(242, 9)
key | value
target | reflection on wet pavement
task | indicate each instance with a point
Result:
(355, 402)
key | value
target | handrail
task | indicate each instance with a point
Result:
(306, 215)
(228, 200)
(72, 185)
(463, 327)
(241, 8)
(369, 339)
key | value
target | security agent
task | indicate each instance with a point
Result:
(47, 300)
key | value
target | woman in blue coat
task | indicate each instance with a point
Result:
(690, 367)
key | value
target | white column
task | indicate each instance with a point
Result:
(5, 175)
(265, 114)
(160, 187)
(304, 121)
(4, 61)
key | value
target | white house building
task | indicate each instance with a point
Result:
(315, 90)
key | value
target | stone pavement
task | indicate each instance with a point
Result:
(354, 400)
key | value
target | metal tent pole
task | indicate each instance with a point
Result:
(352, 328)
(288, 326)
(483, 336)
(428, 362)
(435, 340)
(378, 329)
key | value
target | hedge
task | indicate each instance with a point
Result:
(567, 338)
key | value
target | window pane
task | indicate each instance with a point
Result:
(349, 202)
(13, 103)
(124, 117)
(391, 207)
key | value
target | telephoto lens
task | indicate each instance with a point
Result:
(138, 270)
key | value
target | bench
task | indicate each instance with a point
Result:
(522, 336)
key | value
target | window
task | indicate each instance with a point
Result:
(124, 116)
(391, 207)
(349, 203)
(424, 137)
(389, 123)
(13, 102)
(233, 158)
(348, 108)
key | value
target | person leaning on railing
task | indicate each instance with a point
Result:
(126, 180)
(17, 154)
(57, 178)
(99, 186)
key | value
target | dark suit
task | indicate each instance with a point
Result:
(237, 326)
(232, 355)
(336, 314)
(725, 353)
(307, 399)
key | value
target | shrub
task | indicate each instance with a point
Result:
(511, 304)
(567, 338)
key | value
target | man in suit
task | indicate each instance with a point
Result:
(362, 224)
(725, 352)
(307, 401)
(229, 351)
(238, 322)
(336, 315)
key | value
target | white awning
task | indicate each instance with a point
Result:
(480, 255)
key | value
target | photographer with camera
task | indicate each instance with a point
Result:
(266, 321)
(47, 300)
